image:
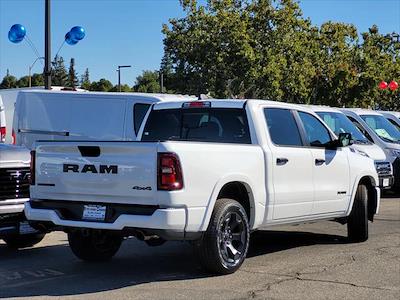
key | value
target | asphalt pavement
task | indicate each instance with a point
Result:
(309, 261)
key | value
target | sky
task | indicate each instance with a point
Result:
(128, 32)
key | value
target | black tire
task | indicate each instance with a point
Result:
(23, 241)
(94, 245)
(227, 232)
(357, 223)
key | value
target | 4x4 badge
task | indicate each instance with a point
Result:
(142, 188)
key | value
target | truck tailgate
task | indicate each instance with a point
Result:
(117, 172)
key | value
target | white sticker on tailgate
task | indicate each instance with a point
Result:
(94, 212)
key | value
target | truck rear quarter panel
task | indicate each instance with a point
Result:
(207, 167)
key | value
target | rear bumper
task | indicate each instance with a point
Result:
(177, 221)
(12, 206)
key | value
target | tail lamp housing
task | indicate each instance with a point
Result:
(169, 172)
(3, 132)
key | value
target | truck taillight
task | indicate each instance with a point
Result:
(169, 177)
(13, 138)
(3, 132)
(32, 167)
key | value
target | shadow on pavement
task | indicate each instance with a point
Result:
(264, 242)
(54, 271)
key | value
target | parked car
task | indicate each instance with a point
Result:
(382, 133)
(392, 117)
(3, 129)
(60, 115)
(339, 123)
(14, 192)
(209, 172)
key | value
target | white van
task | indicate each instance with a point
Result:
(58, 115)
(339, 123)
(3, 129)
(381, 132)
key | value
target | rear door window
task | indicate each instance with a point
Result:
(282, 127)
(220, 125)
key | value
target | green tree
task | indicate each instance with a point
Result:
(210, 49)
(85, 80)
(8, 81)
(267, 49)
(23, 82)
(72, 80)
(103, 85)
(148, 82)
(124, 88)
(379, 60)
(37, 79)
(336, 80)
(59, 72)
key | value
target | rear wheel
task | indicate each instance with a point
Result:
(94, 245)
(223, 247)
(357, 223)
(23, 241)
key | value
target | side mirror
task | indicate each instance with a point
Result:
(345, 139)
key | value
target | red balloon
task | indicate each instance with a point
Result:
(393, 85)
(383, 85)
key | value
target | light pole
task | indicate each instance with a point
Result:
(161, 82)
(30, 69)
(47, 47)
(119, 75)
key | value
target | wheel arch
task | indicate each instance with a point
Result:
(373, 195)
(240, 189)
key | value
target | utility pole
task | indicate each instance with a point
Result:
(162, 82)
(119, 76)
(47, 47)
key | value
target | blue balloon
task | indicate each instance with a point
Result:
(13, 39)
(77, 33)
(70, 40)
(17, 33)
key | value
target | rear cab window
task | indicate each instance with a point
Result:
(219, 125)
(282, 127)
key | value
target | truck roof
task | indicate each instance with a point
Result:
(230, 103)
(159, 97)
(323, 108)
(361, 111)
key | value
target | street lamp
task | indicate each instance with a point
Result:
(119, 76)
(30, 69)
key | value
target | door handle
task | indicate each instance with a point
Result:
(319, 162)
(281, 161)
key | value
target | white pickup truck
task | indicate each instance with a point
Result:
(209, 172)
